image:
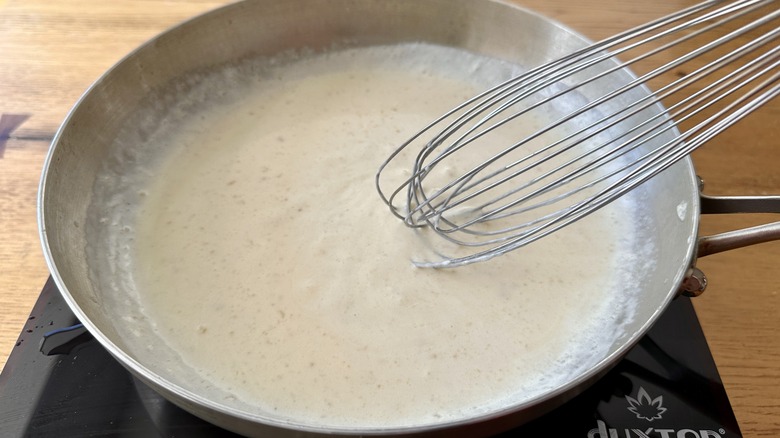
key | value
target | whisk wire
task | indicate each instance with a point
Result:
(540, 73)
(460, 183)
(592, 154)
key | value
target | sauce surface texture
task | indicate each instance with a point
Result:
(265, 257)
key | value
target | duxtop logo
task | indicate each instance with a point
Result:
(648, 409)
(644, 407)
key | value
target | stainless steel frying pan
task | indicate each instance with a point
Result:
(86, 143)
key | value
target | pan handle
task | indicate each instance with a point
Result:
(695, 281)
(738, 238)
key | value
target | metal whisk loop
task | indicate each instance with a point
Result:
(551, 146)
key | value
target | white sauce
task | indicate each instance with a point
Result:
(265, 257)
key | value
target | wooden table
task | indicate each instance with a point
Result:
(51, 50)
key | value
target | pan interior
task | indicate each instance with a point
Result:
(249, 245)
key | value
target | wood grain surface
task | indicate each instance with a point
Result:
(51, 50)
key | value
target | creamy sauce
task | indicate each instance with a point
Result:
(265, 257)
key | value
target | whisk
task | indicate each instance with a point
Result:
(490, 176)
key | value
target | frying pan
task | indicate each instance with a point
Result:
(70, 195)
